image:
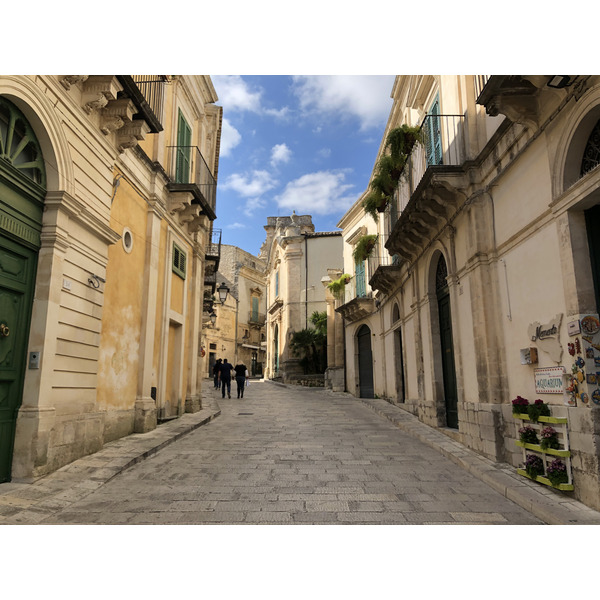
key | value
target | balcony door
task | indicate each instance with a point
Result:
(184, 142)
(432, 135)
(447, 346)
(361, 284)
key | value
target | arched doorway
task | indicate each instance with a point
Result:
(590, 161)
(365, 362)
(446, 344)
(276, 352)
(22, 191)
(399, 357)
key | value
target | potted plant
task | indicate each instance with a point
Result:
(528, 435)
(549, 438)
(534, 466)
(538, 409)
(338, 285)
(401, 140)
(375, 202)
(557, 472)
(519, 405)
(364, 247)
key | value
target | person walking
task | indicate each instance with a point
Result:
(216, 369)
(225, 377)
(241, 377)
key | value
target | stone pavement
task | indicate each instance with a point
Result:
(288, 455)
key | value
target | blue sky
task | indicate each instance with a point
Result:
(303, 143)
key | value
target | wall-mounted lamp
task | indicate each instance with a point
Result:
(223, 291)
(213, 318)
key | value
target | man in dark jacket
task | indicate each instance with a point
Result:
(225, 377)
(216, 369)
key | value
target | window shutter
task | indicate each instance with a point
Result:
(179, 261)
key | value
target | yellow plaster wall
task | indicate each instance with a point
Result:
(177, 291)
(121, 317)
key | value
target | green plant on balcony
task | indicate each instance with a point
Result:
(375, 202)
(390, 167)
(338, 286)
(364, 247)
(400, 141)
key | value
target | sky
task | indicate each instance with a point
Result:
(303, 143)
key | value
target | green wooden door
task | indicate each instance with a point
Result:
(365, 363)
(184, 141)
(22, 191)
(17, 277)
(449, 372)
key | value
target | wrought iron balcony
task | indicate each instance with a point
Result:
(433, 165)
(255, 318)
(357, 302)
(480, 83)
(189, 172)
(383, 268)
(213, 248)
(147, 92)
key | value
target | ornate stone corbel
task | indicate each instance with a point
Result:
(68, 80)
(189, 213)
(131, 133)
(116, 114)
(178, 201)
(98, 90)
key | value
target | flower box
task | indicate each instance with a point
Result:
(538, 448)
(565, 487)
(555, 420)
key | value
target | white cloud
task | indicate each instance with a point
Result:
(280, 153)
(324, 152)
(230, 138)
(250, 186)
(323, 192)
(254, 204)
(366, 97)
(236, 226)
(278, 113)
(234, 93)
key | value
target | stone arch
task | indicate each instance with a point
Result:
(43, 118)
(581, 121)
(395, 313)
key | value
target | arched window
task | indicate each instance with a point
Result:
(19, 145)
(591, 154)
(441, 275)
(395, 313)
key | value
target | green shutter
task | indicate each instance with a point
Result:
(433, 135)
(254, 309)
(179, 261)
(184, 141)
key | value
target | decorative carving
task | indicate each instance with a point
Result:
(131, 133)
(189, 213)
(68, 80)
(176, 202)
(96, 103)
(110, 124)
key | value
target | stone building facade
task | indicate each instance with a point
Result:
(485, 283)
(239, 330)
(297, 260)
(107, 198)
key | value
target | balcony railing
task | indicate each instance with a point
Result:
(147, 92)
(448, 138)
(186, 166)
(356, 289)
(480, 81)
(213, 247)
(256, 318)
(381, 258)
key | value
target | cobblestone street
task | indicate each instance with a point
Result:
(289, 456)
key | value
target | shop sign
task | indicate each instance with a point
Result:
(547, 337)
(549, 380)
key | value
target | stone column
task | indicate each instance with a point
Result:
(145, 405)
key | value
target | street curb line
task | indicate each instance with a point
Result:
(522, 493)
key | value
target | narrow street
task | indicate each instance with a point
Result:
(287, 456)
